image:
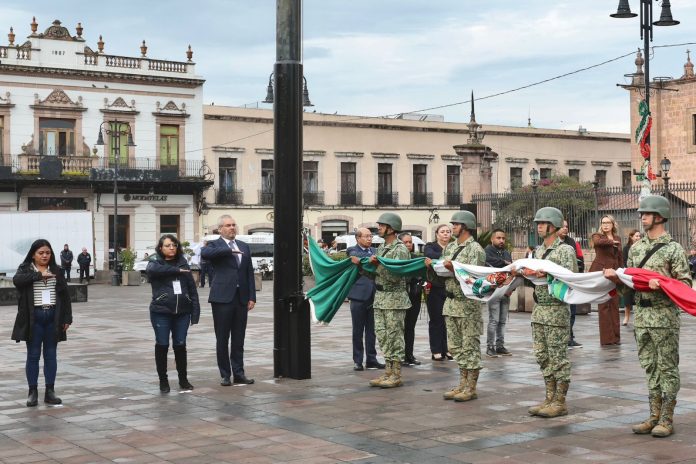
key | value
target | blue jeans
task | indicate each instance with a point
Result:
(43, 334)
(497, 317)
(176, 324)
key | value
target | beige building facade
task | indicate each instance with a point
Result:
(355, 168)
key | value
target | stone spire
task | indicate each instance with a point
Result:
(688, 67)
(475, 136)
(639, 76)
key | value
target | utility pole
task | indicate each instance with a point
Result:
(291, 334)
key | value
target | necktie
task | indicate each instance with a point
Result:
(233, 246)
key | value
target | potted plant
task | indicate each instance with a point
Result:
(130, 277)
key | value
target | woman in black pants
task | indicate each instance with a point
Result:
(414, 286)
(173, 308)
(43, 316)
(436, 296)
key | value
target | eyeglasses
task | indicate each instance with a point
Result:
(604, 223)
(170, 245)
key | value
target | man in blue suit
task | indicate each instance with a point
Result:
(361, 297)
(232, 296)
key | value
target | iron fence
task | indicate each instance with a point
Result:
(583, 209)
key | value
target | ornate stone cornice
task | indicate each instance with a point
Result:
(264, 151)
(171, 110)
(221, 149)
(602, 163)
(348, 154)
(511, 159)
(574, 163)
(450, 157)
(624, 164)
(58, 100)
(546, 161)
(419, 156)
(58, 32)
(314, 153)
(93, 75)
(385, 155)
(119, 106)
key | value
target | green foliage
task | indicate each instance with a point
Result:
(186, 249)
(306, 268)
(128, 256)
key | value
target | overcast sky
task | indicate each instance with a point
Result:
(383, 57)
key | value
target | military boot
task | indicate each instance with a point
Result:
(664, 428)
(469, 393)
(648, 424)
(394, 380)
(550, 393)
(558, 405)
(382, 378)
(448, 395)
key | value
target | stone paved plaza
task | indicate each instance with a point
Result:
(113, 411)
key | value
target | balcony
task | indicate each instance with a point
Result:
(313, 198)
(103, 169)
(349, 198)
(454, 199)
(229, 197)
(387, 199)
(421, 198)
(265, 198)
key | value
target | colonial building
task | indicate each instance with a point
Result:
(356, 167)
(59, 97)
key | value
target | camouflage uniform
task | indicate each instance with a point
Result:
(551, 318)
(391, 303)
(463, 315)
(656, 317)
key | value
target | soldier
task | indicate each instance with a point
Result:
(551, 317)
(391, 302)
(656, 320)
(463, 316)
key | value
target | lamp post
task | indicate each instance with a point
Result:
(534, 176)
(270, 97)
(595, 191)
(665, 166)
(115, 129)
(646, 33)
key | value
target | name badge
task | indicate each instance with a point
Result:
(177, 287)
(45, 297)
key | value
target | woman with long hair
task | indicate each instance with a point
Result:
(174, 307)
(628, 296)
(44, 314)
(608, 255)
(435, 298)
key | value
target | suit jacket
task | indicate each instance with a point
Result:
(364, 288)
(230, 277)
(608, 255)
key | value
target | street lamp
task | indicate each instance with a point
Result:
(665, 166)
(270, 92)
(534, 176)
(115, 129)
(434, 217)
(646, 33)
(595, 190)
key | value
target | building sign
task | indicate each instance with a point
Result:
(138, 197)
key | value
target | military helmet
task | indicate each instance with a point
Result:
(655, 204)
(391, 219)
(464, 217)
(549, 214)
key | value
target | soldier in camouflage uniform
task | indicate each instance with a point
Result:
(391, 302)
(462, 315)
(656, 316)
(551, 317)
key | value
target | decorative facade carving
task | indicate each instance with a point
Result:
(348, 154)
(514, 160)
(5, 101)
(58, 32)
(170, 109)
(264, 151)
(58, 98)
(602, 163)
(450, 157)
(314, 153)
(119, 105)
(419, 156)
(547, 161)
(221, 149)
(575, 163)
(376, 154)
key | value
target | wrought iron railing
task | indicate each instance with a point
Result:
(387, 198)
(313, 198)
(454, 199)
(265, 197)
(421, 198)
(349, 198)
(229, 197)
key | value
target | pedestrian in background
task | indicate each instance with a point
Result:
(580, 259)
(629, 294)
(206, 269)
(414, 287)
(66, 259)
(497, 255)
(435, 295)
(44, 315)
(84, 259)
(174, 307)
(608, 255)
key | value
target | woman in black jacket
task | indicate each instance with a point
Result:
(435, 296)
(44, 314)
(173, 308)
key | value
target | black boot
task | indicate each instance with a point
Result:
(181, 366)
(33, 398)
(50, 396)
(161, 363)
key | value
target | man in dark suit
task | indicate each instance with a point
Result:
(361, 296)
(232, 296)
